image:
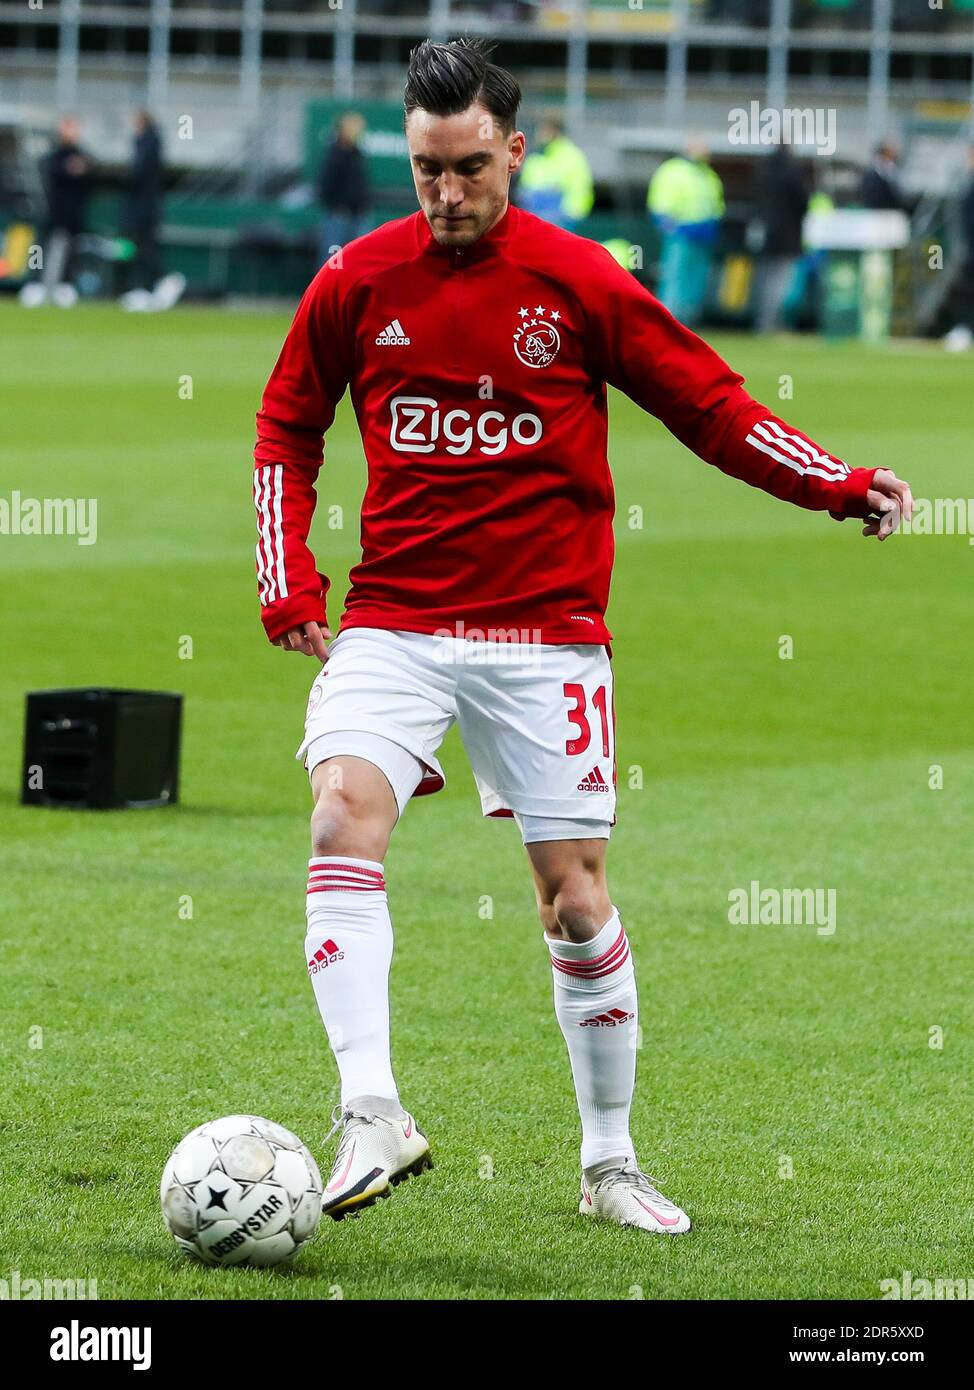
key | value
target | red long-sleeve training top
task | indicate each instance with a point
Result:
(478, 378)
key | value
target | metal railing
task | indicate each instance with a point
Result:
(678, 25)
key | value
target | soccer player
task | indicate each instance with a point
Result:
(476, 341)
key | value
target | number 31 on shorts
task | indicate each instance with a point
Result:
(579, 717)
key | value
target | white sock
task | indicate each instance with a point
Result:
(349, 951)
(595, 1004)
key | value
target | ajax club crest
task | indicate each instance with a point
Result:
(536, 338)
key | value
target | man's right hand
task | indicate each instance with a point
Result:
(310, 638)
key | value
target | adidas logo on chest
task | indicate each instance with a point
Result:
(393, 335)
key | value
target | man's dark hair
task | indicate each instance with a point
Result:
(445, 78)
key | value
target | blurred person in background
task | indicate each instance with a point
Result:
(782, 200)
(802, 296)
(686, 200)
(880, 186)
(67, 172)
(343, 187)
(961, 336)
(556, 181)
(140, 216)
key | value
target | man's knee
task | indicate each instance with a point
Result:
(576, 907)
(349, 819)
(569, 877)
(342, 824)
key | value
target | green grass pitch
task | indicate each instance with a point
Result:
(788, 1093)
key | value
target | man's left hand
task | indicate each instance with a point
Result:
(890, 499)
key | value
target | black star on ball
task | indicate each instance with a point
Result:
(216, 1198)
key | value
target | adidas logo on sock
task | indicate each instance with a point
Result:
(393, 335)
(326, 954)
(594, 782)
(612, 1019)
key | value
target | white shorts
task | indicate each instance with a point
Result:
(536, 721)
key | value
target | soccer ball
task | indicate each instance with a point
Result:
(241, 1190)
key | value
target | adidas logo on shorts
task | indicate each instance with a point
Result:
(594, 782)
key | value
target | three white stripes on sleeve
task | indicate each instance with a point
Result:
(268, 498)
(795, 452)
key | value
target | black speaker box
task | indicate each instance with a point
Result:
(100, 748)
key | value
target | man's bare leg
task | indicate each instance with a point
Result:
(569, 884)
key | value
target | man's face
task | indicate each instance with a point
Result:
(462, 167)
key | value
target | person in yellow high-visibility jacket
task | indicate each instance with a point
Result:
(686, 200)
(556, 181)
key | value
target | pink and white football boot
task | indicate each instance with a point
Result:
(378, 1150)
(615, 1190)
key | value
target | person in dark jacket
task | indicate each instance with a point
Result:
(880, 186)
(142, 205)
(343, 187)
(141, 213)
(67, 172)
(782, 203)
(961, 336)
